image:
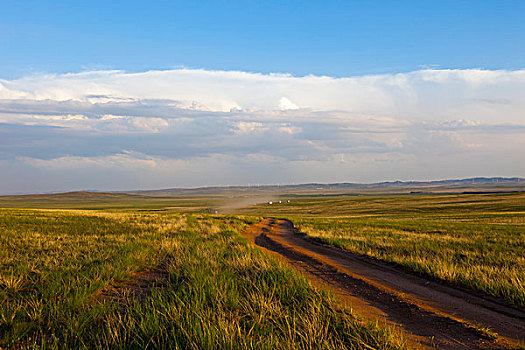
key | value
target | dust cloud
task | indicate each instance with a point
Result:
(232, 205)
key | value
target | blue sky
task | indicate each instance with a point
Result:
(116, 95)
(335, 38)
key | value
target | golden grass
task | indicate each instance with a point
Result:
(488, 257)
(218, 292)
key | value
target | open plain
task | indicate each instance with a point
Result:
(385, 271)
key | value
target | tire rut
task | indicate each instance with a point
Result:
(437, 328)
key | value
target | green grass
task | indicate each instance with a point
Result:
(375, 205)
(475, 251)
(79, 278)
(101, 200)
(69, 279)
(472, 240)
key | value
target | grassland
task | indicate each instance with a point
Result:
(476, 241)
(487, 256)
(380, 205)
(127, 279)
(101, 200)
(138, 272)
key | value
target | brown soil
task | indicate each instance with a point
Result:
(430, 313)
(136, 288)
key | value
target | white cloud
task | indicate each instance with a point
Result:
(126, 159)
(419, 95)
(289, 129)
(285, 104)
(243, 127)
(149, 124)
(183, 119)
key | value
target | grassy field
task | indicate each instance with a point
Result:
(476, 241)
(157, 272)
(482, 252)
(127, 279)
(101, 200)
(375, 205)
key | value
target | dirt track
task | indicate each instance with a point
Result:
(432, 314)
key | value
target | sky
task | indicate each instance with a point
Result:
(118, 95)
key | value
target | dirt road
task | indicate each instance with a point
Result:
(430, 313)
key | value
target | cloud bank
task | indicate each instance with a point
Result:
(192, 127)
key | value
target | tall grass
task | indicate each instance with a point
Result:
(483, 252)
(57, 268)
(472, 240)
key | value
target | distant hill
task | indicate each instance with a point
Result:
(470, 185)
(231, 198)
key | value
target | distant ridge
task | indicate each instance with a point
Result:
(471, 185)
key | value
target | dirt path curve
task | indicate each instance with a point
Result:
(431, 313)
